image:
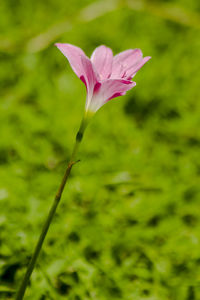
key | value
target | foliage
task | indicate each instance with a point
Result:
(128, 226)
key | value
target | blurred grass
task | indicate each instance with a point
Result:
(128, 225)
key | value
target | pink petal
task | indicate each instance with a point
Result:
(102, 58)
(107, 90)
(112, 88)
(124, 61)
(134, 68)
(73, 55)
(88, 76)
(80, 64)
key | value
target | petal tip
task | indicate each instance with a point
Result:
(138, 50)
(147, 58)
(60, 46)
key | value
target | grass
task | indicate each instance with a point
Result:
(128, 225)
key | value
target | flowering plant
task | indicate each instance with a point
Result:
(105, 77)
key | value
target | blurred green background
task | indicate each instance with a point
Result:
(128, 226)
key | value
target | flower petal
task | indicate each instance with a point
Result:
(111, 87)
(73, 55)
(81, 65)
(88, 76)
(124, 61)
(108, 90)
(102, 59)
(130, 73)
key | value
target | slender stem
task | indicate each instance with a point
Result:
(22, 288)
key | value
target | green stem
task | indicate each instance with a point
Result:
(22, 288)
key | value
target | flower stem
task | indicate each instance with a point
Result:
(22, 288)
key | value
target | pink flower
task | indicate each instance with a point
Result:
(104, 75)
